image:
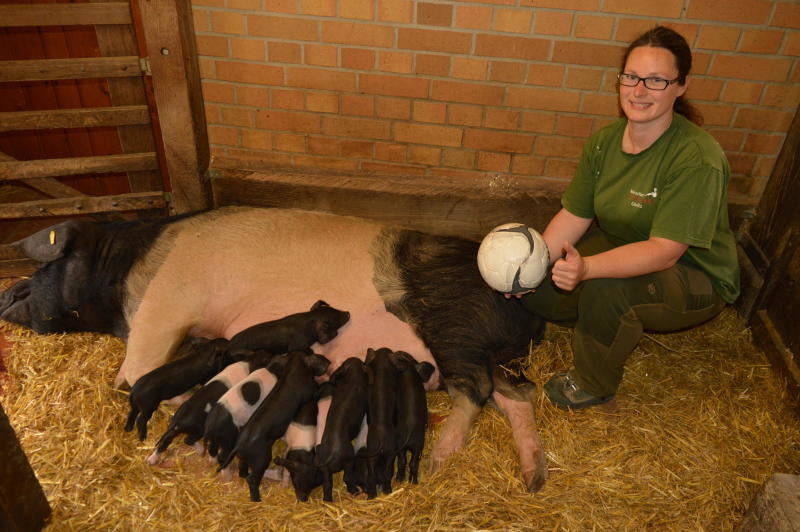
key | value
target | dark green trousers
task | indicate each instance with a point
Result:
(609, 316)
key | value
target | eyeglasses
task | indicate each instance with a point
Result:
(656, 84)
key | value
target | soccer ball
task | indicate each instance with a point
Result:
(513, 258)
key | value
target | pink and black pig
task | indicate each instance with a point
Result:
(202, 360)
(301, 439)
(216, 273)
(296, 386)
(411, 413)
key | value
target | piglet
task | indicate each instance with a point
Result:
(411, 415)
(190, 418)
(295, 387)
(294, 332)
(347, 410)
(234, 408)
(382, 378)
(299, 459)
(198, 360)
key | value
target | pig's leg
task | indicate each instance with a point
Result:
(514, 399)
(327, 485)
(153, 339)
(457, 425)
(401, 465)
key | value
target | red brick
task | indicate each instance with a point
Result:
(718, 38)
(574, 126)
(506, 72)
(424, 155)
(249, 73)
(600, 104)
(358, 9)
(454, 42)
(210, 3)
(208, 68)
(399, 62)
(553, 23)
(388, 151)
(763, 144)
(426, 111)
(358, 58)
(689, 31)
(573, 5)
(217, 92)
(287, 99)
(792, 45)
(340, 126)
(393, 85)
(425, 134)
(321, 8)
(481, 139)
(701, 63)
(453, 91)
(502, 119)
(247, 5)
(322, 102)
(742, 92)
(358, 105)
(559, 147)
(470, 68)
(787, 15)
(320, 55)
(464, 115)
(287, 142)
(704, 89)
(458, 158)
(281, 6)
(583, 78)
(312, 78)
(288, 121)
(513, 20)
(256, 139)
(227, 22)
(201, 19)
(763, 119)
(434, 14)
(628, 29)
(538, 122)
(560, 168)
(395, 10)
(260, 159)
(741, 11)
(764, 166)
(399, 169)
(432, 65)
(761, 41)
(284, 52)
(662, 8)
(356, 33)
(494, 162)
(457, 174)
(741, 163)
(781, 96)
(527, 165)
(212, 45)
(543, 99)
(729, 139)
(393, 108)
(250, 49)
(282, 27)
(357, 149)
(325, 162)
(252, 96)
(580, 53)
(228, 136)
(323, 146)
(545, 74)
(600, 123)
(593, 27)
(748, 67)
(473, 17)
(715, 115)
(212, 113)
(512, 47)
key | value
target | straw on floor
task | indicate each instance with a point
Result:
(702, 422)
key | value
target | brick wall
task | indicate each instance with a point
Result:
(467, 89)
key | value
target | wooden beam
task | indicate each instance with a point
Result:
(19, 15)
(83, 205)
(170, 41)
(50, 186)
(76, 68)
(77, 165)
(69, 118)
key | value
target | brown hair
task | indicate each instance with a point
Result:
(662, 37)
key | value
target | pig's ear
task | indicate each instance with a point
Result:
(370, 356)
(403, 356)
(325, 332)
(52, 243)
(425, 370)
(317, 363)
(319, 304)
(277, 364)
(370, 374)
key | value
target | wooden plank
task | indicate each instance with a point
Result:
(783, 360)
(77, 165)
(75, 68)
(83, 205)
(19, 15)
(776, 507)
(170, 40)
(13, 269)
(70, 118)
(48, 185)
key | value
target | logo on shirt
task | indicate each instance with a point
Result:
(640, 199)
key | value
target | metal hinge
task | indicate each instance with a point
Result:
(144, 64)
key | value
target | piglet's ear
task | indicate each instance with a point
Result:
(277, 364)
(425, 370)
(317, 363)
(325, 333)
(50, 244)
(319, 304)
(370, 356)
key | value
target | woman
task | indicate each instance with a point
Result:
(662, 256)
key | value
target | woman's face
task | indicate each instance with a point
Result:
(647, 106)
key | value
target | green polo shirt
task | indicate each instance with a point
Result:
(675, 189)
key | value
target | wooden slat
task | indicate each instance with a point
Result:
(77, 165)
(70, 118)
(83, 205)
(50, 186)
(16, 15)
(75, 68)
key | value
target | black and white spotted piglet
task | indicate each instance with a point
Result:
(190, 418)
(411, 414)
(301, 438)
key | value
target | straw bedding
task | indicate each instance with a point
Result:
(701, 422)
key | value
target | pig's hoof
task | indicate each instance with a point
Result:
(225, 475)
(154, 459)
(535, 478)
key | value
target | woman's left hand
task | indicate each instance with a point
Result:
(569, 270)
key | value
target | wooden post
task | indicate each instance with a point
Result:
(169, 37)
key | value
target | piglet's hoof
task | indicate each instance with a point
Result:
(535, 478)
